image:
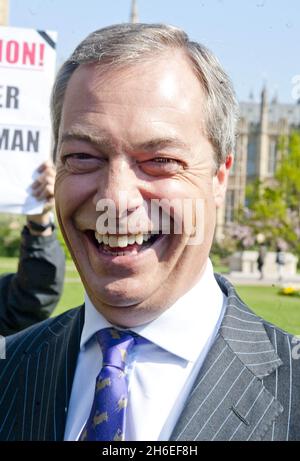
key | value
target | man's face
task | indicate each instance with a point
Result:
(138, 132)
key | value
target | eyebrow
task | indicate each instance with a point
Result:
(96, 140)
(161, 143)
(103, 142)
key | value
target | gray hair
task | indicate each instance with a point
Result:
(126, 44)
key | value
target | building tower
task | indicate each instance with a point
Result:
(263, 137)
(134, 17)
(4, 12)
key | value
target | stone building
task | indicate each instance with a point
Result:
(134, 17)
(260, 126)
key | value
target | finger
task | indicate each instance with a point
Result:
(42, 167)
(46, 164)
(43, 180)
(48, 205)
(43, 192)
(43, 196)
(49, 172)
(35, 185)
(48, 180)
(47, 193)
(37, 189)
(46, 176)
(38, 181)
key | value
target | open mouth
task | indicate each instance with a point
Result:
(121, 245)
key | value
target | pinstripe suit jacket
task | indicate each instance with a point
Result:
(248, 387)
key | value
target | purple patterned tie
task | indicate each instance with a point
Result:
(107, 418)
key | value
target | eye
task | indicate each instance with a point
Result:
(82, 163)
(162, 166)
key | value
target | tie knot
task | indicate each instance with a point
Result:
(115, 346)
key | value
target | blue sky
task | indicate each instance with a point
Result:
(257, 41)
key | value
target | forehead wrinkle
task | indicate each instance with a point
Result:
(161, 143)
(100, 139)
(103, 140)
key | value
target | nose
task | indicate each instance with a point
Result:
(120, 186)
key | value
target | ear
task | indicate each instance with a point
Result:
(220, 180)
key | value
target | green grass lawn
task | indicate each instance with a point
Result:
(72, 297)
(283, 311)
(73, 291)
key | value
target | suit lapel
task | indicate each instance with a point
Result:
(47, 374)
(229, 400)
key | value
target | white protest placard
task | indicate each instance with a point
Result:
(27, 69)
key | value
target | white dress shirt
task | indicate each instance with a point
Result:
(161, 373)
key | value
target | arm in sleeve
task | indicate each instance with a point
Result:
(31, 294)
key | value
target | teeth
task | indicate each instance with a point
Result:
(131, 239)
(113, 241)
(99, 237)
(122, 240)
(139, 239)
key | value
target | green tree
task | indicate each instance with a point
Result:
(288, 173)
(274, 208)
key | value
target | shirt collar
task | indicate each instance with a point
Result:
(184, 328)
